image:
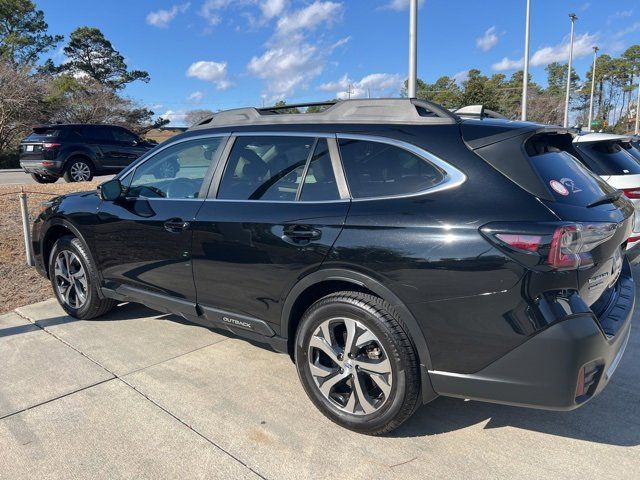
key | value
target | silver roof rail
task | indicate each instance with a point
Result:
(379, 110)
(478, 111)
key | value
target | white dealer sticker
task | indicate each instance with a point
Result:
(559, 188)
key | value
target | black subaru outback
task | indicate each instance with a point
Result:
(395, 250)
(78, 152)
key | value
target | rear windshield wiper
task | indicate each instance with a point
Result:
(608, 198)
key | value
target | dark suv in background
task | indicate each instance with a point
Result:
(78, 152)
(395, 250)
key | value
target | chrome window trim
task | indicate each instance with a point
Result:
(281, 133)
(452, 178)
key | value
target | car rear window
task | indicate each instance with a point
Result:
(631, 150)
(567, 179)
(611, 158)
(40, 134)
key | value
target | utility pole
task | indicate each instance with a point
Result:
(413, 48)
(593, 87)
(525, 78)
(638, 111)
(573, 18)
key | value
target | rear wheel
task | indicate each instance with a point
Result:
(72, 276)
(43, 179)
(357, 364)
(78, 170)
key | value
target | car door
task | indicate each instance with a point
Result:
(279, 207)
(126, 146)
(143, 240)
(100, 138)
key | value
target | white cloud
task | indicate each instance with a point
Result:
(272, 8)
(375, 84)
(582, 46)
(175, 116)
(196, 97)
(487, 41)
(210, 8)
(215, 72)
(626, 31)
(162, 18)
(310, 17)
(461, 76)
(287, 67)
(400, 5)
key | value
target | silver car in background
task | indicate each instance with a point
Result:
(617, 161)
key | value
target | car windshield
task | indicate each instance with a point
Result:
(611, 158)
(40, 134)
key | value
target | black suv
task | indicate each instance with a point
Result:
(394, 249)
(78, 152)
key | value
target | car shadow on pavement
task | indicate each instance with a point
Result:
(611, 418)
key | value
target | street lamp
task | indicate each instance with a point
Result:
(573, 18)
(593, 84)
(638, 111)
(413, 48)
(525, 79)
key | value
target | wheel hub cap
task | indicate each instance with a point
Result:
(70, 279)
(80, 172)
(349, 366)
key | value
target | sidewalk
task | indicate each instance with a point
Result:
(143, 395)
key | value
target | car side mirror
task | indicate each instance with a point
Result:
(110, 190)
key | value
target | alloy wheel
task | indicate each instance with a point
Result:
(80, 172)
(350, 366)
(70, 279)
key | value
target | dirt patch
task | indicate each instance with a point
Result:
(20, 284)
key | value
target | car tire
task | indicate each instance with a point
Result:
(43, 179)
(374, 389)
(78, 170)
(74, 280)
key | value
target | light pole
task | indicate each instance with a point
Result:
(638, 111)
(573, 18)
(413, 48)
(525, 78)
(593, 84)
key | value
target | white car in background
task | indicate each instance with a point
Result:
(617, 161)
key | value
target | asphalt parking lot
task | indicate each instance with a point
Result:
(143, 395)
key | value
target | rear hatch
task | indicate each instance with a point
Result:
(591, 214)
(41, 142)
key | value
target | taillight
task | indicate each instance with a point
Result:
(564, 247)
(632, 193)
(48, 146)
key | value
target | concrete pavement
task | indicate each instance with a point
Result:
(145, 395)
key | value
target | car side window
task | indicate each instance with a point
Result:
(121, 135)
(319, 181)
(176, 172)
(376, 169)
(265, 168)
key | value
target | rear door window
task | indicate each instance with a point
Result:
(567, 179)
(376, 169)
(610, 158)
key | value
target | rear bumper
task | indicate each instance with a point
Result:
(50, 168)
(543, 372)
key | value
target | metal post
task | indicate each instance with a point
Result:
(638, 111)
(593, 87)
(25, 227)
(573, 18)
(413, 48)
(525, 78)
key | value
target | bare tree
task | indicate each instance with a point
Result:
(20, 103)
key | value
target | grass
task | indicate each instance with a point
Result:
(21, 284)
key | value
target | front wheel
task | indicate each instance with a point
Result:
(357, 363)
(78, 170)
(42, 178)
(72, 276)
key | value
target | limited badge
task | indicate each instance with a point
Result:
(559, 188)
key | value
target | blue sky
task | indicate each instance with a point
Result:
(220, 54)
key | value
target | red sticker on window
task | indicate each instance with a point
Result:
(559, 188)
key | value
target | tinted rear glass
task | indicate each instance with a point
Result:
(611, 158)
(631, 150)
(568, 180)
(41, 134)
